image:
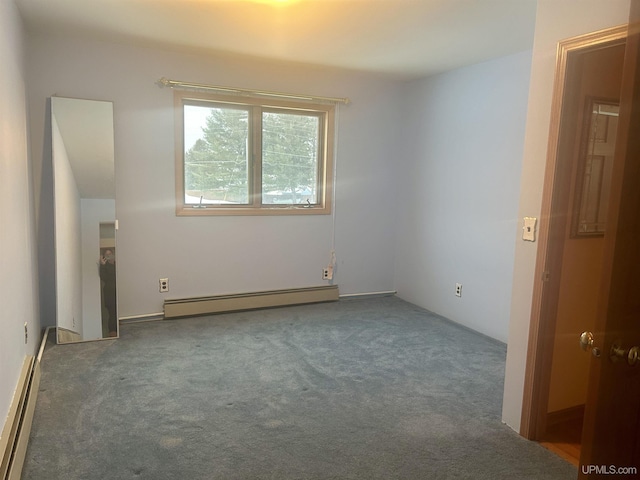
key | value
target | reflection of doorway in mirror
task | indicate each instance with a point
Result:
(108, 280)
(82, 155)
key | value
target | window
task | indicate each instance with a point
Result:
(248, 156)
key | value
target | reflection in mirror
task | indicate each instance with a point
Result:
(108, 279)
(84, 206)
(594, 178)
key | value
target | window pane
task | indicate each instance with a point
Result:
(216, 155)
(289, 158)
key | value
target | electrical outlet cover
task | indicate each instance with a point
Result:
(529, 229)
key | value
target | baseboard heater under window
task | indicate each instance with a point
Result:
(185, 307)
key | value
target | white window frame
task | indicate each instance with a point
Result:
(326, 114)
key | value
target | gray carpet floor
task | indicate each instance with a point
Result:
(357, 389)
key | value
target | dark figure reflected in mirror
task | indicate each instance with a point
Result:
(108, 281)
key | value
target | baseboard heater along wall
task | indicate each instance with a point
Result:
(15, 434)
(185, 307)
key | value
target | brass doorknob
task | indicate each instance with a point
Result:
(586, 340)
(586, 343)
(632, 355)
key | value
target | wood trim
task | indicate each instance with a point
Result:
(565, 415)
(545, 289)
(255, 153)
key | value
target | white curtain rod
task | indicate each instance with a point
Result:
(165, 82)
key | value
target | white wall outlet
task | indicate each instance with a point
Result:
(164, 285)
(458, 289)
(327, 273)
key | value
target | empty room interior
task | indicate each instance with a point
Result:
(326, 220)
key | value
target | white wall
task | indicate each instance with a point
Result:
(213, 255)
(68, 251)
(18, 258)
(555, 21)
(463, 142)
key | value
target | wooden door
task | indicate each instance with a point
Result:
(611, 438)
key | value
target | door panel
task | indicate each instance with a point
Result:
(611, 438)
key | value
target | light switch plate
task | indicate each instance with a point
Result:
(529, 229)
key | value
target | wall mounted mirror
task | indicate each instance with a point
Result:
(594, 171)
(85, 225)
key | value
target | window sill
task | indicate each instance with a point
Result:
(197, 211)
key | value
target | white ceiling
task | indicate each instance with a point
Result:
(408, 38)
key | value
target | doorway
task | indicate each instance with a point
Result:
(588, 82)
(594, 82)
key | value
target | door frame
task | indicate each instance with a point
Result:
(546, 287)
